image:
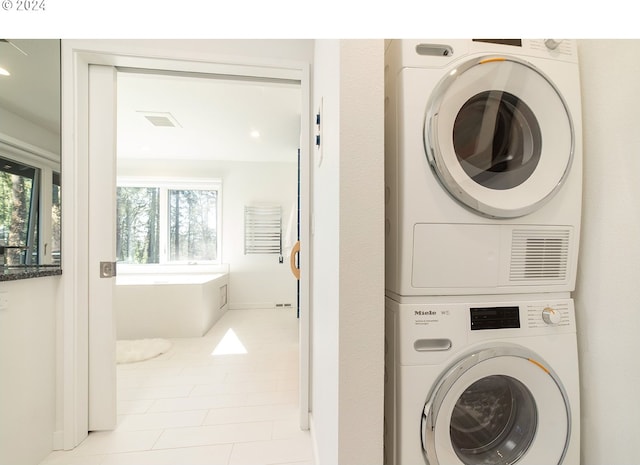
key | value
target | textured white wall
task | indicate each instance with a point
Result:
(608, 288)
(348, 248)
(361, 251)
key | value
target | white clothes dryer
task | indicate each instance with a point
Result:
(483, 166)
(489, 382)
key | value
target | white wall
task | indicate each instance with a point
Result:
(347, 255)
(26, 131)
(361, 252)
(608, 288)
(28, 370)
(258, 280)
(255, 281)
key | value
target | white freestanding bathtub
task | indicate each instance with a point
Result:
(168, 305)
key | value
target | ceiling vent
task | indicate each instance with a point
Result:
(161, 120)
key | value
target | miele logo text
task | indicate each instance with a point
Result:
(423, 312)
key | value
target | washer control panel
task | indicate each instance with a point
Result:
(537, 314)
(546, 314)
(429, 333)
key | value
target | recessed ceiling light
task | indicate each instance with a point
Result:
(255, 134)
(4, 72)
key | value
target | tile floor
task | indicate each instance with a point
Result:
(197, 405)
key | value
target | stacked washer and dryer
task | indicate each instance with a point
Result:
(483, 163)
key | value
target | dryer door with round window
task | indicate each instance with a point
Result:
(497, 406)
(499, 136)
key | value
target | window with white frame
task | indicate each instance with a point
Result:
(168, 222)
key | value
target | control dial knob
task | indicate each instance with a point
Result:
(552, 44)
(551, 316)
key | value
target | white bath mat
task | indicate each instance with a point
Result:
(129, 351)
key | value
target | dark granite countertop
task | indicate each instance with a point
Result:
(13, 273)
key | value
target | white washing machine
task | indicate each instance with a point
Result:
(483, 166)
(492, 382)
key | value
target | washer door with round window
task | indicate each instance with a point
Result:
(498, 406)
(499, 136)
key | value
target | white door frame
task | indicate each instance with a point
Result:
(73, 349)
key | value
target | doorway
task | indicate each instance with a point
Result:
(75, 373)
(194, 151)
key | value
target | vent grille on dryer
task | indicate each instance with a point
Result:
(539, 255)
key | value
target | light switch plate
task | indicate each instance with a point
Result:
(318, 133)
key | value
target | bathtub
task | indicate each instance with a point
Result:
(168, 305)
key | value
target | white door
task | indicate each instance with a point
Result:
(499, 136)
(102, 247)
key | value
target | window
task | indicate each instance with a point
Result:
(56, 218)
(162, 222)
(19, 211)
(193, 225)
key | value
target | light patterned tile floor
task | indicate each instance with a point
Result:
(195, 406)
